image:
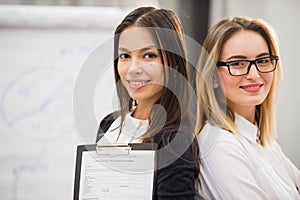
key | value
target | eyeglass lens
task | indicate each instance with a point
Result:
(241, 67)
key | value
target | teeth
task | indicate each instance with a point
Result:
(137, 83)
(253, 87)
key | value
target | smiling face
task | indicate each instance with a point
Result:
(139, 65)
(243, 93)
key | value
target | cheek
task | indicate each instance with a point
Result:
(268, 78)
(160, 74)
(122, 70)
(156, 72)
(226, 80)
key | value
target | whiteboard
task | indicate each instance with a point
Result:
(42, 51)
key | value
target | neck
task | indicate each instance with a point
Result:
(142, 111)
(248, 113)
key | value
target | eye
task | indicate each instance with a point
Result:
(150, 56)
(124, 56)
(238, 63)
(263, 61)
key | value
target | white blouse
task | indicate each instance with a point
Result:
(132, 130)
(237, 167)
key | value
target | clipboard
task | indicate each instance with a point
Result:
(115, 171)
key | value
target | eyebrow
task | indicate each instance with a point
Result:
(142, 49)
(244, 57)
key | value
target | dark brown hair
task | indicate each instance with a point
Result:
(167, 33)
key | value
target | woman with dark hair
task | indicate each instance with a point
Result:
(151, 77)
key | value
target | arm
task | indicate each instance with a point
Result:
(230, 173)
(291, 169)
(176, 170)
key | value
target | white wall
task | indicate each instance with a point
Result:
(284, 17)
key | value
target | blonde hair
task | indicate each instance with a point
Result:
(212, 101)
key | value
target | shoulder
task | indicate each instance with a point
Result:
(212, 138)
(105, 123)
(110, 117)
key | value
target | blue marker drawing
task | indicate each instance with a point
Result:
(33, 104)
(32, 168)
(36, 106)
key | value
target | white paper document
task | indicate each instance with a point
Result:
(115, 176)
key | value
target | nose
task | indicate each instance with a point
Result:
(253, 72)
(135, 66)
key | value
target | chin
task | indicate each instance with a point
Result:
(255, 102)
(137, 98)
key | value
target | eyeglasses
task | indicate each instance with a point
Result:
(242, 67)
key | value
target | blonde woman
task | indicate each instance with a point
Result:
(237, 85)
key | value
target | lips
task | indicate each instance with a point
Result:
(252, 87)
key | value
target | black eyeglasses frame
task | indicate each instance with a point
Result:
(272, 57)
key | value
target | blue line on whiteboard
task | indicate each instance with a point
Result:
(44, 99)
(20, 170)
(39, 108)
(29, 86)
